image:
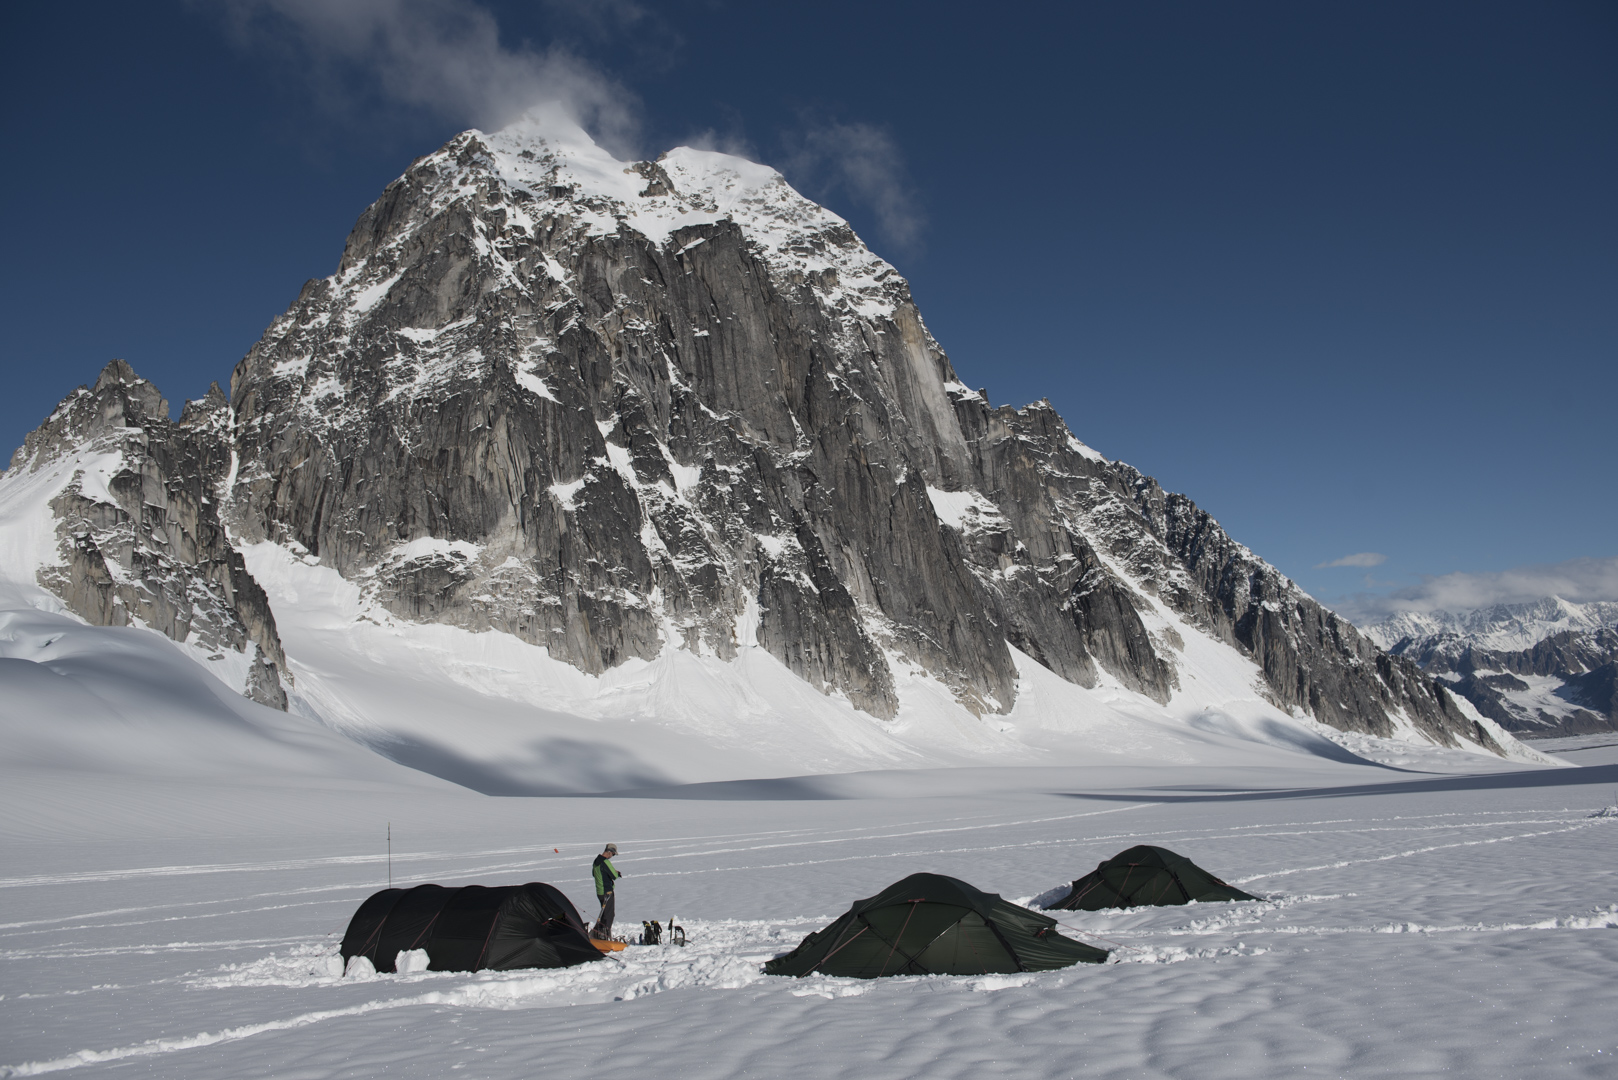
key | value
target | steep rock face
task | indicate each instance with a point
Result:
(610, 407)
(140, 540)
(1090, 538)
(1312, 659)
(507, 411)
(616, 408)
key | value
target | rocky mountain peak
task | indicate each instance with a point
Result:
(616, 408)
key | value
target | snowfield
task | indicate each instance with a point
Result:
(1416, 925)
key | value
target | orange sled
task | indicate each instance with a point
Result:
(608, 946)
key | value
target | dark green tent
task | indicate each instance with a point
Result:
(471, 928)
(929, 924)
(1145, 876)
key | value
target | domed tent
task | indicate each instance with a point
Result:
(470, 928)
(1145, 876)
(929, 924)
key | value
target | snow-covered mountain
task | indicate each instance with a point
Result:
(1498, 627)
(568, 444)
(1544, 668)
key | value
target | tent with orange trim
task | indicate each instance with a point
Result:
(1145, 876)
(929, 924)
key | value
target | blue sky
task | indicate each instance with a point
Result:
(1346, 274)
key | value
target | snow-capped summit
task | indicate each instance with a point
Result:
(669, 428)
(547, 155)
(1499, 627)
(1546, 667)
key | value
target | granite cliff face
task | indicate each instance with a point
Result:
(617, 408)
(137, 529)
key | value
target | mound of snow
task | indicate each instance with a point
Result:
(127, 701)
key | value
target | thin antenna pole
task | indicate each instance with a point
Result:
(390, 854)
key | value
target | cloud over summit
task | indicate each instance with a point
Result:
(444, 57)
(863, 163)
(449, 60)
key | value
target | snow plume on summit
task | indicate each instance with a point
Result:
(441, 56)
(863, 162)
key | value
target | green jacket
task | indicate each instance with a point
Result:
(605, 875)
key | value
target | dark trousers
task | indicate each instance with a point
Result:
(603, 927)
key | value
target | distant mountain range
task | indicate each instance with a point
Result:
(1539, 669)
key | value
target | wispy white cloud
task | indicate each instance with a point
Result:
(445, 57)
(728, 142)
(1361, 558)
(605, 18)
(862, 163)
(1578, 580)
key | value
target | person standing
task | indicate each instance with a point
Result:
(606, 875)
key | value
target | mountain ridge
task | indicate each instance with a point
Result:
(612, 408)
(1541, 668)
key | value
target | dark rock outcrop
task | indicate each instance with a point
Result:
(139, 533)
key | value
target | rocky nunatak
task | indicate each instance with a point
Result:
(612, 409)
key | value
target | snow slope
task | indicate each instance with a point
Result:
(496, 714)
(125, 702)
